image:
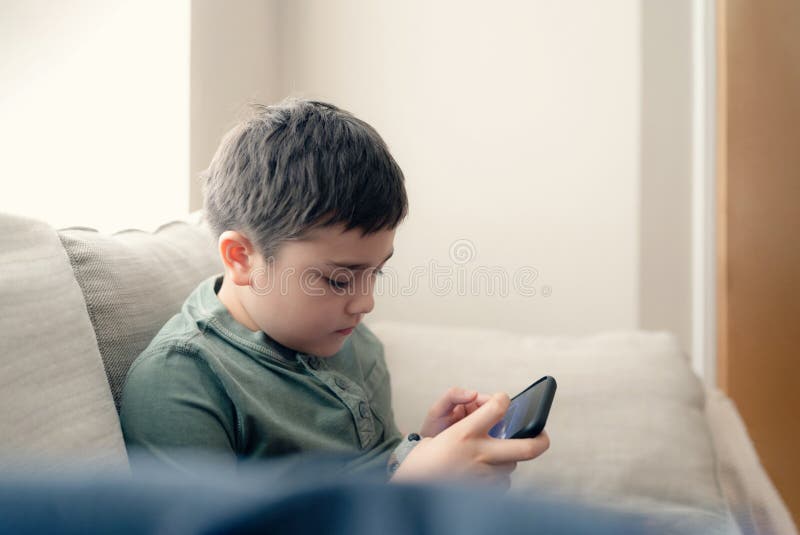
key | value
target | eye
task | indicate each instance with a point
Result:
(338, 284)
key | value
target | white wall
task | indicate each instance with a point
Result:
(548, 135)
(517, 126)
(94, 111)
(666, 169)
(235, 60)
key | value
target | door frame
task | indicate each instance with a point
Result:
(705, 194)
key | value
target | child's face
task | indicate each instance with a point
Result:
(304, 297)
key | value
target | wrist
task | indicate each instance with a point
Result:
(418, 466)
(400, 453)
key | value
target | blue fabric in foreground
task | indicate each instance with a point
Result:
(296, 495)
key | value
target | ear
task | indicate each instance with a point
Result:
(238, 256)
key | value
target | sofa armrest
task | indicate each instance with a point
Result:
(752, 497)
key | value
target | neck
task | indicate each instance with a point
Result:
(229, 295)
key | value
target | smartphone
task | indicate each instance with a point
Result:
(528, 411)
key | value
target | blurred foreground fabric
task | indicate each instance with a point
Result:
(296, 495)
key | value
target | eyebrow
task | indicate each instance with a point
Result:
(354, 267)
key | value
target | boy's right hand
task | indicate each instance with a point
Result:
(465, 449)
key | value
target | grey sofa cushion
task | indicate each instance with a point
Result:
(627, 426)
(133, 281)
(56, 404)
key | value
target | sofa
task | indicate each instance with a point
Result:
(631, 426)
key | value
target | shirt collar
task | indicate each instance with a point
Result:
(211, 313)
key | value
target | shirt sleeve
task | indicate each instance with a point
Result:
(400, 453)
(174, 408)
(406, 443)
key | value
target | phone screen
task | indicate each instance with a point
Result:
(523, 409)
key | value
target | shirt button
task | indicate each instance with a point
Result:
(341, 383)
(313, 362)
(363, 410)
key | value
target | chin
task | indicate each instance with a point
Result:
(330, 350)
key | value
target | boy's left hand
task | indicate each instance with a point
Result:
(454, 405)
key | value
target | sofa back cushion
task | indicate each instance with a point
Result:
(133, 281)
(627, 426)
(55, 403)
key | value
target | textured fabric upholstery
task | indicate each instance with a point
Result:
(55, 404)
(627, 426)
(133, 281)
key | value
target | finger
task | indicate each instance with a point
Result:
(482, 398)
(498, 450)
(479, 422)
(453, 397)
(504, 468)
(494, 477)
(458, 413)
(479, 400)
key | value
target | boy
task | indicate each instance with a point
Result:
(272, 357)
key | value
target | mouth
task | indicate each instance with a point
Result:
(346, 331)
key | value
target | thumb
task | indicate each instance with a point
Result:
(486, 416)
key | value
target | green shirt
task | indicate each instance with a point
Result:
(208, 383)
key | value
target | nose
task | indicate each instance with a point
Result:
(362, 303)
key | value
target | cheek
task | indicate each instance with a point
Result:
(313, 310)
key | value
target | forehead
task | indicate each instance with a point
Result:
(335, 245)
